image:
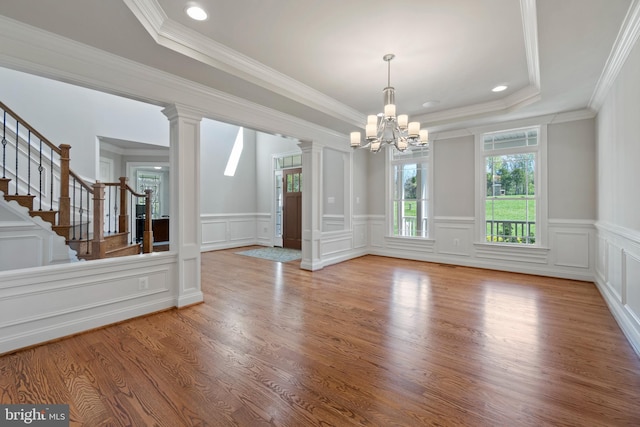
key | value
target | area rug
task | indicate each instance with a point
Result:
(274, 254)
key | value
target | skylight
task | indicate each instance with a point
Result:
(236, 151)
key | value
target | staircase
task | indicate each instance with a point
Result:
(36, 174)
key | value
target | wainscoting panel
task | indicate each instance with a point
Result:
(335, 247)
(223, 231)
(359, 235)
(614, 269)
(332, 223)
(601, 258)
(214, 232)
(376, 231)
(569, 253)
(618, 278)
(264, 230)
(46, 303)
(454, 236)
(631, 291)
(13, 248)
(572, 249)
(243, 229)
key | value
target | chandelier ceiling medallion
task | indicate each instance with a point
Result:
(387, 128)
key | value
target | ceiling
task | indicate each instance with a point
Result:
(322, 61)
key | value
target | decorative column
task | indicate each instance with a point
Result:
(311, 205)
(184, 221)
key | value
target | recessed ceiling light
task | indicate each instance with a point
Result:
(499, 88)
(196, 12)
(432, 103)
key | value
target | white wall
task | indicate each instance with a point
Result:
(360, 167)
(453, 177)
(334, 185)
(237, 210)
(618, 151)
(68, 114)
(569, 250)
(572, 170)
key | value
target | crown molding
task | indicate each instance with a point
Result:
(624, 43)
(188, 42)
(35, 51)
(521, 98)
(572, 116)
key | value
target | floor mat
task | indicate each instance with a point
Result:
(274, 254)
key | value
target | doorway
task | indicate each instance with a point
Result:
(292, 209)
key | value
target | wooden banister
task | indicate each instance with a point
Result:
(26, 124)
(147, 238)
(98, 247)
(123, 218)
(64, 204)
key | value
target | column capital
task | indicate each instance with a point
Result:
(310, 146)
(175, 111)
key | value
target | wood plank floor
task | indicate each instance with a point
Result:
(372, 341)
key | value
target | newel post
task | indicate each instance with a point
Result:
(123, 218)
(98, 247)
(147, 238)
(64, 204)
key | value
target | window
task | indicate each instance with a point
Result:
(510, 186)
(410, 193)
(150, 181)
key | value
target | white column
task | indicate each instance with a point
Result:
(311, 205)
(184, 223)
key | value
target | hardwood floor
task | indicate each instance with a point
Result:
(372, 341)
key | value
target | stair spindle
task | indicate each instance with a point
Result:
(109, 208)
(29, 164)
(88, 216)
(40, 170)
(51, 181)
(17, 150)
(4, 145)
(131, 219)
(80, 212)
(74, 215)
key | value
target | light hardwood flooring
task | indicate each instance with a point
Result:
(373, 341)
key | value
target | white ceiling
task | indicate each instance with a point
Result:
(322, 60)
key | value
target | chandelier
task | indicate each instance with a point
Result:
(387, 128)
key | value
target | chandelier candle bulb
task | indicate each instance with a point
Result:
(424, 135)
(402, 144)
(390, 111)
(403, 119)
(372, 119)
(414, 129)
(355, 139)
(371, 130)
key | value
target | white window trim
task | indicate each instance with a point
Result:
(390, 191)
(542, 194)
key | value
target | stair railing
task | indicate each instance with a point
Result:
(25, 150)
(118, 196)
(81, 193)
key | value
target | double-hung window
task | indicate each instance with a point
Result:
(410, 204)
(512, 192)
